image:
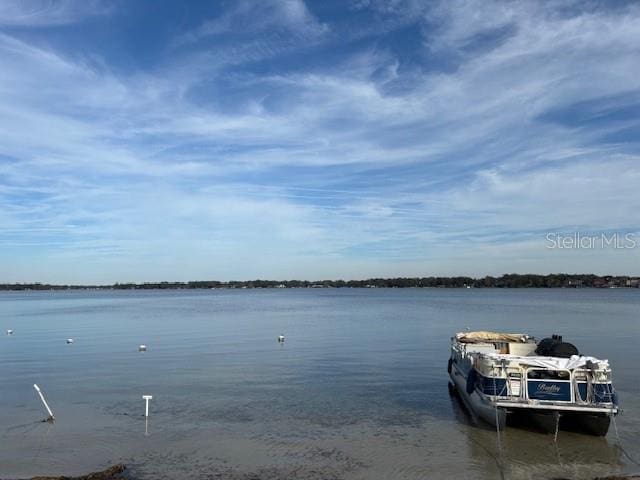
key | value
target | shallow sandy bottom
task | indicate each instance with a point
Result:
(358, 391)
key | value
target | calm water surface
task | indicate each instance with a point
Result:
(357, 391)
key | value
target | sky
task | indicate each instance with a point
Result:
(278, 139)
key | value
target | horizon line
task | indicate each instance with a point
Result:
(568, 276)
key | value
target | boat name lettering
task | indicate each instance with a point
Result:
(543, 387)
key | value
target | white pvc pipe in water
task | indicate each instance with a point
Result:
(51, 417)
(146, 406)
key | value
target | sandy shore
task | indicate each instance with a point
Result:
(112, 473)
(118, 472)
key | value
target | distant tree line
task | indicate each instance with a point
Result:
(513, 280)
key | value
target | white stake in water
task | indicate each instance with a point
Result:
(146, 406)
(51, 417)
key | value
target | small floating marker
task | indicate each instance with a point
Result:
(70, 340)
(9, 332)
(51, 418)
(280, 338)
(142, 348)
(146, 399)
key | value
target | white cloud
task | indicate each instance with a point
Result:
(456, 169)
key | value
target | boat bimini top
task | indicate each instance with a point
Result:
(492, 337)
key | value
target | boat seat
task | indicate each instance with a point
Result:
(482, 348)
(522, 349)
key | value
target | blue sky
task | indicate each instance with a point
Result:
(157, 140)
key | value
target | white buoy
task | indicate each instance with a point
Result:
(51, 417)
(280, 338)
(142, 348)
(70, 340)
(146, 399)
(9, 332)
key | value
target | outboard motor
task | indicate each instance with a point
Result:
(555, 347)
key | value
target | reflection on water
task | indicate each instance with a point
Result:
(357, 391)
(528, 455)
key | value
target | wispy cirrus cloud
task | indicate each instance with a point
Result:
(269, 26)
(308, 149)
(42, 13)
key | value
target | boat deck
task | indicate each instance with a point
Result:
(574, 407)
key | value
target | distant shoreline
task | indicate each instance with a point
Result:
(559, 280)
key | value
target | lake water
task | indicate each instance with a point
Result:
(357, 391)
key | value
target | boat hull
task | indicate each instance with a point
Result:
(545, 421)
(593, 424)
(478, 406)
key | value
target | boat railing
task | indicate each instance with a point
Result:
(542, 386)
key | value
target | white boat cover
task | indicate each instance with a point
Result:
(551, 363)
(484, 336)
